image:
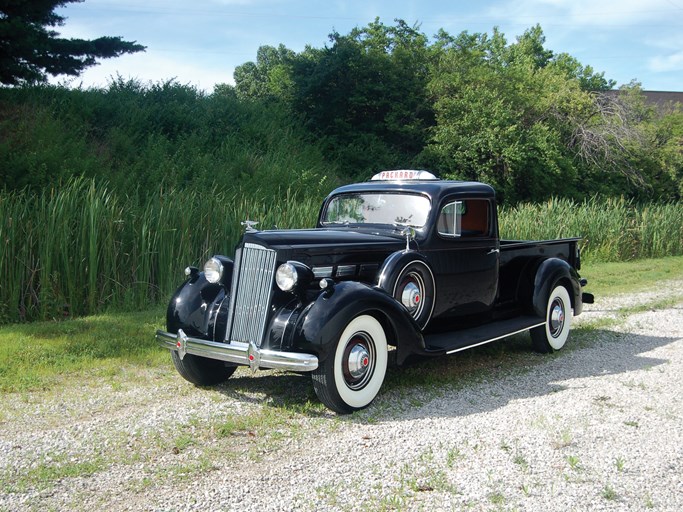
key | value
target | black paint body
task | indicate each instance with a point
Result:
(478, 280)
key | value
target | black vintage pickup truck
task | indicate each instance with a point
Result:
(404, 260)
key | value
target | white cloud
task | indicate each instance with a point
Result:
(590, 13)
(673, 62)
(153, 67)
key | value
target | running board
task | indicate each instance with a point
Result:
(455, 341)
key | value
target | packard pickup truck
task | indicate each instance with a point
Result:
(404, 260)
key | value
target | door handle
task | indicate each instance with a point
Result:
(493, 251)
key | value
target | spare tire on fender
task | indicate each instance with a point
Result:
(409, 279)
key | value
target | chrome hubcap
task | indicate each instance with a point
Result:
(556, 317)
(412, 293)
(359, 361)
(411, 297)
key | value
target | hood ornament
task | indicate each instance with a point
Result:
(249, 225)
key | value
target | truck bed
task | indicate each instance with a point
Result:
(563, 248)
(518, 261)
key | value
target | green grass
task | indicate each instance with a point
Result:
(46, 473)
(609, 493)
(40, 355)
(81, 249)
(611, 229)
(574, 462)
(627, 277)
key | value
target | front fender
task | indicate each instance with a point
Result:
(319, 326)
(548, 274)
(195, 304)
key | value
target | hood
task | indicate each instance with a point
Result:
(330, 246)
(287, 239)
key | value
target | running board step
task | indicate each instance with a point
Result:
(454, 341)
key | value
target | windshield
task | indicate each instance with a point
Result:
(377, 208)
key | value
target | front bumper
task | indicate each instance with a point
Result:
(235, 352)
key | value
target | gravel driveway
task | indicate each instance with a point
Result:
(596, 427)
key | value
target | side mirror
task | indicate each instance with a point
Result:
(409, 233)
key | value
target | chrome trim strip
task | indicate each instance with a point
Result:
(346, 270)
(495, 339)
(233, 289)
(320, 272)
(239, 353)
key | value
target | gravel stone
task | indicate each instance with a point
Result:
(597, 427)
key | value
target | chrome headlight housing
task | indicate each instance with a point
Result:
(286, 277)
(293, 276)
(213, 270)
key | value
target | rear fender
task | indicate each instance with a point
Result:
(548, 274)
(319, 326)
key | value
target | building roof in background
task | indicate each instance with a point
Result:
(662, 98)
(663, 101)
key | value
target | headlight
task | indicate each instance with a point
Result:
(213, 270)
(286, 277)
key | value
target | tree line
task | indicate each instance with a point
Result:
(531, 122)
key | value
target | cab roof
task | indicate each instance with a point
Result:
(435, 189)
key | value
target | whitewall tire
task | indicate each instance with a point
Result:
(350, 378)
(558, 318)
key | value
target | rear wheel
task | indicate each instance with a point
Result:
(200, 370)
(554, 333)
(350, 378)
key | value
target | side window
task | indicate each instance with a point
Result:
(450, 219)
(468, 218)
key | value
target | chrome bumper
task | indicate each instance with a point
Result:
(240, 353)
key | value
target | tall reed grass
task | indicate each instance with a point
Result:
(81, 248)
(612, 229)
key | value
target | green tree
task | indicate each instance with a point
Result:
(531, 122)
(269, 77)
(587, 77)
(535, 124)
(667, 138)
(650, 140)
(364, 95)
(503, 115)
(30, 49)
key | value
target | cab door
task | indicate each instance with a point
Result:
(465, 255)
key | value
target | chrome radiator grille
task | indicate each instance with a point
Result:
(251, 287)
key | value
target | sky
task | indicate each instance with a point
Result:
(201, 42)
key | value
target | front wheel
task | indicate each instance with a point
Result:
(202, 371)
(350, 378)
(554, 333)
